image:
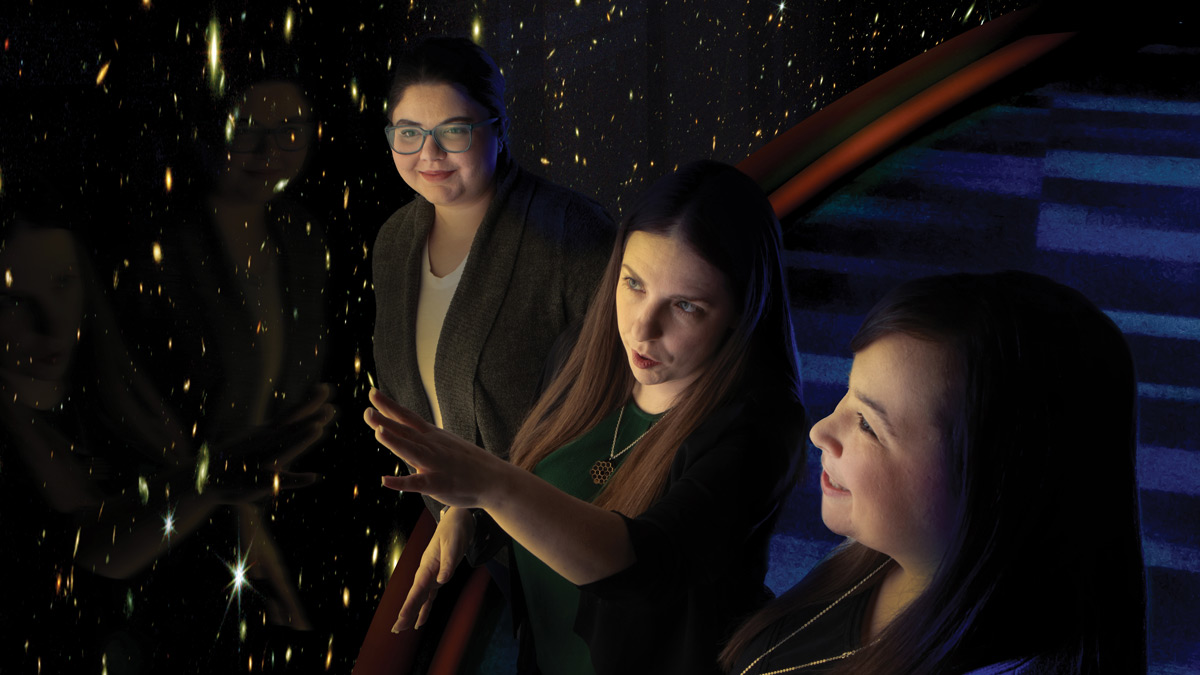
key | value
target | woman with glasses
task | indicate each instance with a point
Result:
(232, 300)
(476, 277)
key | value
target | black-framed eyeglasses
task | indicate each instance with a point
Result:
(408, 139)
(288, 137)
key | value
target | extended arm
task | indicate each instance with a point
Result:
(580, 541)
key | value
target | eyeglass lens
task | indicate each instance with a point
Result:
(287, 137)
(449, 137)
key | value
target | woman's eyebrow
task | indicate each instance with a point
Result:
(252, 123)
(879, 410)
(461, 119)
(698, 298)
(694, 299)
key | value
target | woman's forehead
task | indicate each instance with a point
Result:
(273, 102)
(440, 100)
(910, 378)
(674, 263)
(33, 258)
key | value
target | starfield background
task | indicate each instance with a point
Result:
(115, 101)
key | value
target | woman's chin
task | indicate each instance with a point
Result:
(31, 391)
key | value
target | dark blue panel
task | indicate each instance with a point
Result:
(1174, 617)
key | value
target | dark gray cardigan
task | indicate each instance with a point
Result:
(531, 271)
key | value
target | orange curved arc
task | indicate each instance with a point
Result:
(885, 131)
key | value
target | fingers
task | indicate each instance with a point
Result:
(396, 483)
(404, 622)
(420, 595)
(438, 563)
(397, 412)
(426, 609)
(304, 437)
(260, 488)
(277, 445)
(417, 482)
(318, 397)
(404, 442)
(295, 481)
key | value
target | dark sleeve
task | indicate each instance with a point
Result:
(489, 539)
(728, 480)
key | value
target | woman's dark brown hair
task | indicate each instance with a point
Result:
(459, 62)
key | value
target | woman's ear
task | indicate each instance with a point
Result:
(502, 137)
(733, 325)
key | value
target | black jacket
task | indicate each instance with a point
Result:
(701, 548)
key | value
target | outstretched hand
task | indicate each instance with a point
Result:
(445, 550)
(449, 469)
(577, 539)
(258, 463)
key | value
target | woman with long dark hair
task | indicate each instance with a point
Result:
(981, 466)
(645, 482)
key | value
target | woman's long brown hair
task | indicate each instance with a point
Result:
(725, 218)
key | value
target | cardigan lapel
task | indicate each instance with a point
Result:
(476, 303)
(302, 284)
(401, 327)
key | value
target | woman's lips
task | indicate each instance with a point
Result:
(643, 362)
(49, 359)
(829, 488)
(50, 351)
(436, 176)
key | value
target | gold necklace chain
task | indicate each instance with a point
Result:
(789, 669)
(806, 625)
(603, 469)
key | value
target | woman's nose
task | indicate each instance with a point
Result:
(823, 437)
(431, 150)
(648, 324)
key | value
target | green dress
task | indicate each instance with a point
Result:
(551, 600)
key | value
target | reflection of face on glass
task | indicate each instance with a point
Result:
(41, 307)
(883, 450)
(268, 136)
(673, 310)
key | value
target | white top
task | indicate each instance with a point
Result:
(432, 303)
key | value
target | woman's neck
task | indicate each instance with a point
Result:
(32, 392)
(453, 232)
(658, 398)
(233, 216)
(899, 588)
(651, 400)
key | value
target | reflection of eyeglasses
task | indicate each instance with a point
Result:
(289, 137)
(452, 137)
